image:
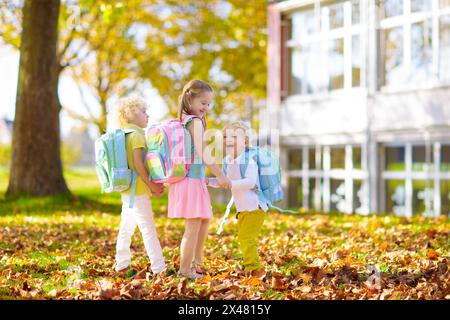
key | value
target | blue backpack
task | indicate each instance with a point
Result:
(111, 163)
(269, 189)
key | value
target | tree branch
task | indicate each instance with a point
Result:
(79, 117)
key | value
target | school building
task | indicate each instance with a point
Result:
(359, 91)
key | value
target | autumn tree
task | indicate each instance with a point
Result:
(165, 44)
(222, 42)
(118, 48)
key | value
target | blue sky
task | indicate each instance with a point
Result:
(68, 93)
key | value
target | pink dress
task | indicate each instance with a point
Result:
(189, 198)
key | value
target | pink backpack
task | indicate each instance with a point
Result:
(169, 151)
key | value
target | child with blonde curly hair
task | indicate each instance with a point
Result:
(131, 116)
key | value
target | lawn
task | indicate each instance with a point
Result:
(60, 248)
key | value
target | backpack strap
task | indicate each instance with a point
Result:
(129, 130)
(243, 169)
(243, 166)
(133, 188)
(225, 216)
(133, 175)
(188, 118)
(281, 210)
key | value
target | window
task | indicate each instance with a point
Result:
(336, 64)
(303, 24)
(338, 202)
(356, 12)
(357, 158)
(445, 197)
(338, 157)
(295, 192)
(410, 182)
(325, 35)
(314, 199)
(422, 159)
(444, 47)
(296, 78)
(356, 61)
(304, 76)
(408, 32)
(445, 158)
(333, 179)
(423, 197)
(421, 51)
(421, 5)
(336, 16)
(312, 158)
(393, 63)
(393, 8)
(395, 197)
(395, 158)
(295, 159)
(360, 197)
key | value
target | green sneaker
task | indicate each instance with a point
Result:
(127, 272)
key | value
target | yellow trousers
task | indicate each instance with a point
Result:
(249, 227)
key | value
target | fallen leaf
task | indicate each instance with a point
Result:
(278, 282)
(432, 254)
(253, 281)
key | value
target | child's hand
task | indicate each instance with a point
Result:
(157, 189)
(224, 182)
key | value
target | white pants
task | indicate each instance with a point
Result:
(140, 215)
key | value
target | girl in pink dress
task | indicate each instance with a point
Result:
(189, 198)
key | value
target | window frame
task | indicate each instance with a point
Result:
(408, 175)
(322, 37)
(323, 173)
(406, 20)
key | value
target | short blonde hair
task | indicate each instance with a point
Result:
(239, 125)
(127, 107)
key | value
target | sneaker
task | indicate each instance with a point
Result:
(127, 272)
(167, 272)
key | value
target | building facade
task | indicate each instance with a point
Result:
(359, 91)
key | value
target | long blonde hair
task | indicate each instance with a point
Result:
(192, 89)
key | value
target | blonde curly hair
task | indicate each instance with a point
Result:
(126, 107)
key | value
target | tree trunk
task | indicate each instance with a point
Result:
(36, 167)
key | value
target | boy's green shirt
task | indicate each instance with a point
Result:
(135, 140)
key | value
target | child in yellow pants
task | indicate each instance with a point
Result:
(249, 227)
(251, 211)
